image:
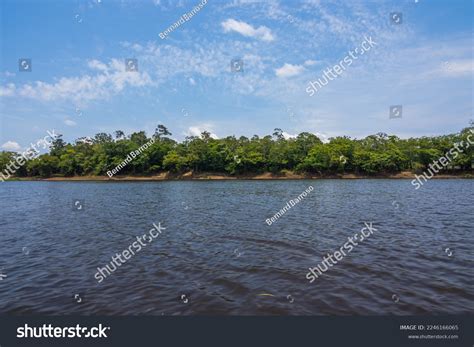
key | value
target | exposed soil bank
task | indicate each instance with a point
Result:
(167, 176)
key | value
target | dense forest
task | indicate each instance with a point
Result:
(306, 153)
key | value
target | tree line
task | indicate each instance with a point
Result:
(305, 153)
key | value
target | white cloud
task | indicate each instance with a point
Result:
(322, 136)
(8, 90)
(97, 65)
(70, 123)
(86, 139)
(192, 81)
(457, 68)
(262, 32)
(135, 46)
(11, 146)
(288, 136)
(111, 79)
(310, 62)
(198, 129)
(289, 70)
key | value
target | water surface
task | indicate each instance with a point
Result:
(218, 256)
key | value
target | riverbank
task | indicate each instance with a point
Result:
(288, 175)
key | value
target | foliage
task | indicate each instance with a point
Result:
(375, 154)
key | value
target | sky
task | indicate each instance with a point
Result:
(63, 67)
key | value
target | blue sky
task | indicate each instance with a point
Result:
(79, 86)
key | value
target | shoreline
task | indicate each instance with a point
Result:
(210, 176)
